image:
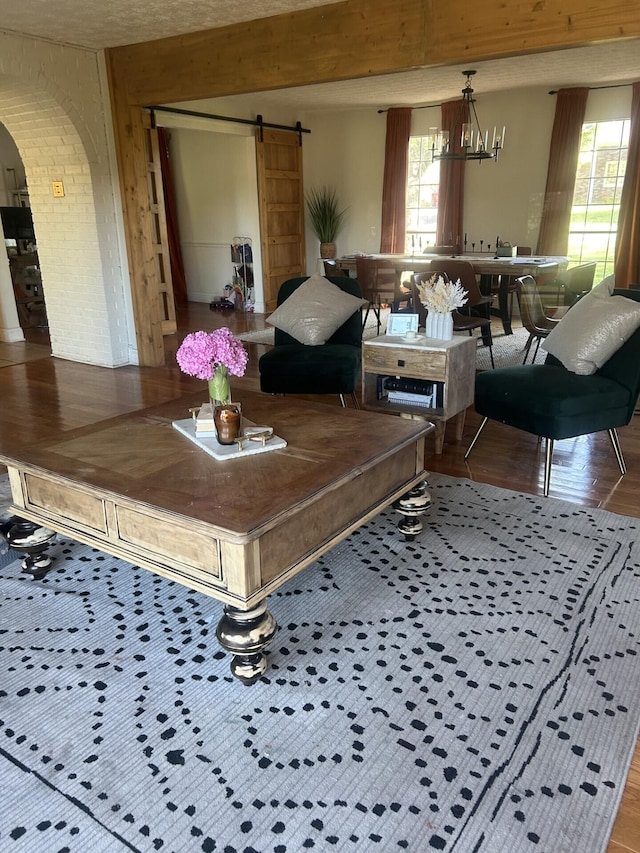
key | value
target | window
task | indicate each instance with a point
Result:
(422, 195)
(596, 199)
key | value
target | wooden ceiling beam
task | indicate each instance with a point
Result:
(355, 38)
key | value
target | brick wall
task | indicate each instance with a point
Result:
(54, 103)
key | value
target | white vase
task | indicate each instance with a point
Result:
(439, 326)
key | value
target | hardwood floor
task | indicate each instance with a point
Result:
(21, 351)
(584, 470)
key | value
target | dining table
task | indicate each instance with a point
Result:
(485, 265)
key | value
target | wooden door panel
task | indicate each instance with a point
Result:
(160, 237)
(281, 205)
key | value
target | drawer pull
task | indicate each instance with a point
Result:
(401, 362)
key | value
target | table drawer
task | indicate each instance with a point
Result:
(73, 506)
(168, 541)
(412, 362)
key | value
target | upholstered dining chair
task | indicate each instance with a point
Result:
(553, 402)
(332, 268)
(478, 305)
(533, 315)
(570, 285)
(333, 367)
(379, 284)
(461, 322)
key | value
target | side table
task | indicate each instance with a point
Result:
(450, 365)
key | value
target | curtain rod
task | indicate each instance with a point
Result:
(595, 88)
(552, 92)
(423, 107)
(257, 122)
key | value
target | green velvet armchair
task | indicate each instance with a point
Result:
(291, 367)
(554, 403)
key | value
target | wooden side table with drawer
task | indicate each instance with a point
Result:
(450, 365)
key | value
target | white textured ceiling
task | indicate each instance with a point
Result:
(96, 24)
(110, 23)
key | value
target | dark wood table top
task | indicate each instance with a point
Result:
(141, 457)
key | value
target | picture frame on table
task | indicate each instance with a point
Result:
(400, 324)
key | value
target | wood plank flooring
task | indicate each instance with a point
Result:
(584, 470)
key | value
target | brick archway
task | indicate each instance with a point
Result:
(59, 130)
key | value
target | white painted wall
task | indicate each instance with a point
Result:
(345, 150)
(215, 182)
(504, 198)
(216, 196)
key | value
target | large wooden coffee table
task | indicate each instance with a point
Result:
(234, 530)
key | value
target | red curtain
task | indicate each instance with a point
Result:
(449, 228)
(394, 185)
(561, 171)
(627, 263)
(175, 252)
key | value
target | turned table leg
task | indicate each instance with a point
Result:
(412, 506)
(246, 634)
(31, 540)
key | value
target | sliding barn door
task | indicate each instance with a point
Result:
(281, 204)
(159, 228)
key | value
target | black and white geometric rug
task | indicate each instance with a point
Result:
(473, 690)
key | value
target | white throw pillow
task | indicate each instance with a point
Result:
(595, 327)
(314, 311)
(605, 287)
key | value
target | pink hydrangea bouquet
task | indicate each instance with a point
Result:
(213, 356)
(442, 296)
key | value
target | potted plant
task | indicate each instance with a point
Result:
(326, 219)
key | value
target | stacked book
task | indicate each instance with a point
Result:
(204, 421)
(413, 392)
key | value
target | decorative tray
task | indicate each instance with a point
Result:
(249, 446)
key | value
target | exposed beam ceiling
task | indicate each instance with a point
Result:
(96, 24)
(597, 65)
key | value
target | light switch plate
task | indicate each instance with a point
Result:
(58, 189)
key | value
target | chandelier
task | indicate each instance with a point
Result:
(474, 144)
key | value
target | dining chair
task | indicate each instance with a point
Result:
(379, 284)
(570, 285)
(533, 315)
(461, 322)
(478, 305)
(332, 268)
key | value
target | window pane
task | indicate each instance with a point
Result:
(422, 195)
(596, 200)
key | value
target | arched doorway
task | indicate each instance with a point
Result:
(58, 123)
(22, 252)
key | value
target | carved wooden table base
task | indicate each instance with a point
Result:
(413, 506)
(31, 540)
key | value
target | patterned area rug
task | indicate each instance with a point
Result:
(508, 350)
(473, 690)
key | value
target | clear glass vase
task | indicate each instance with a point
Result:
(220, 387)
